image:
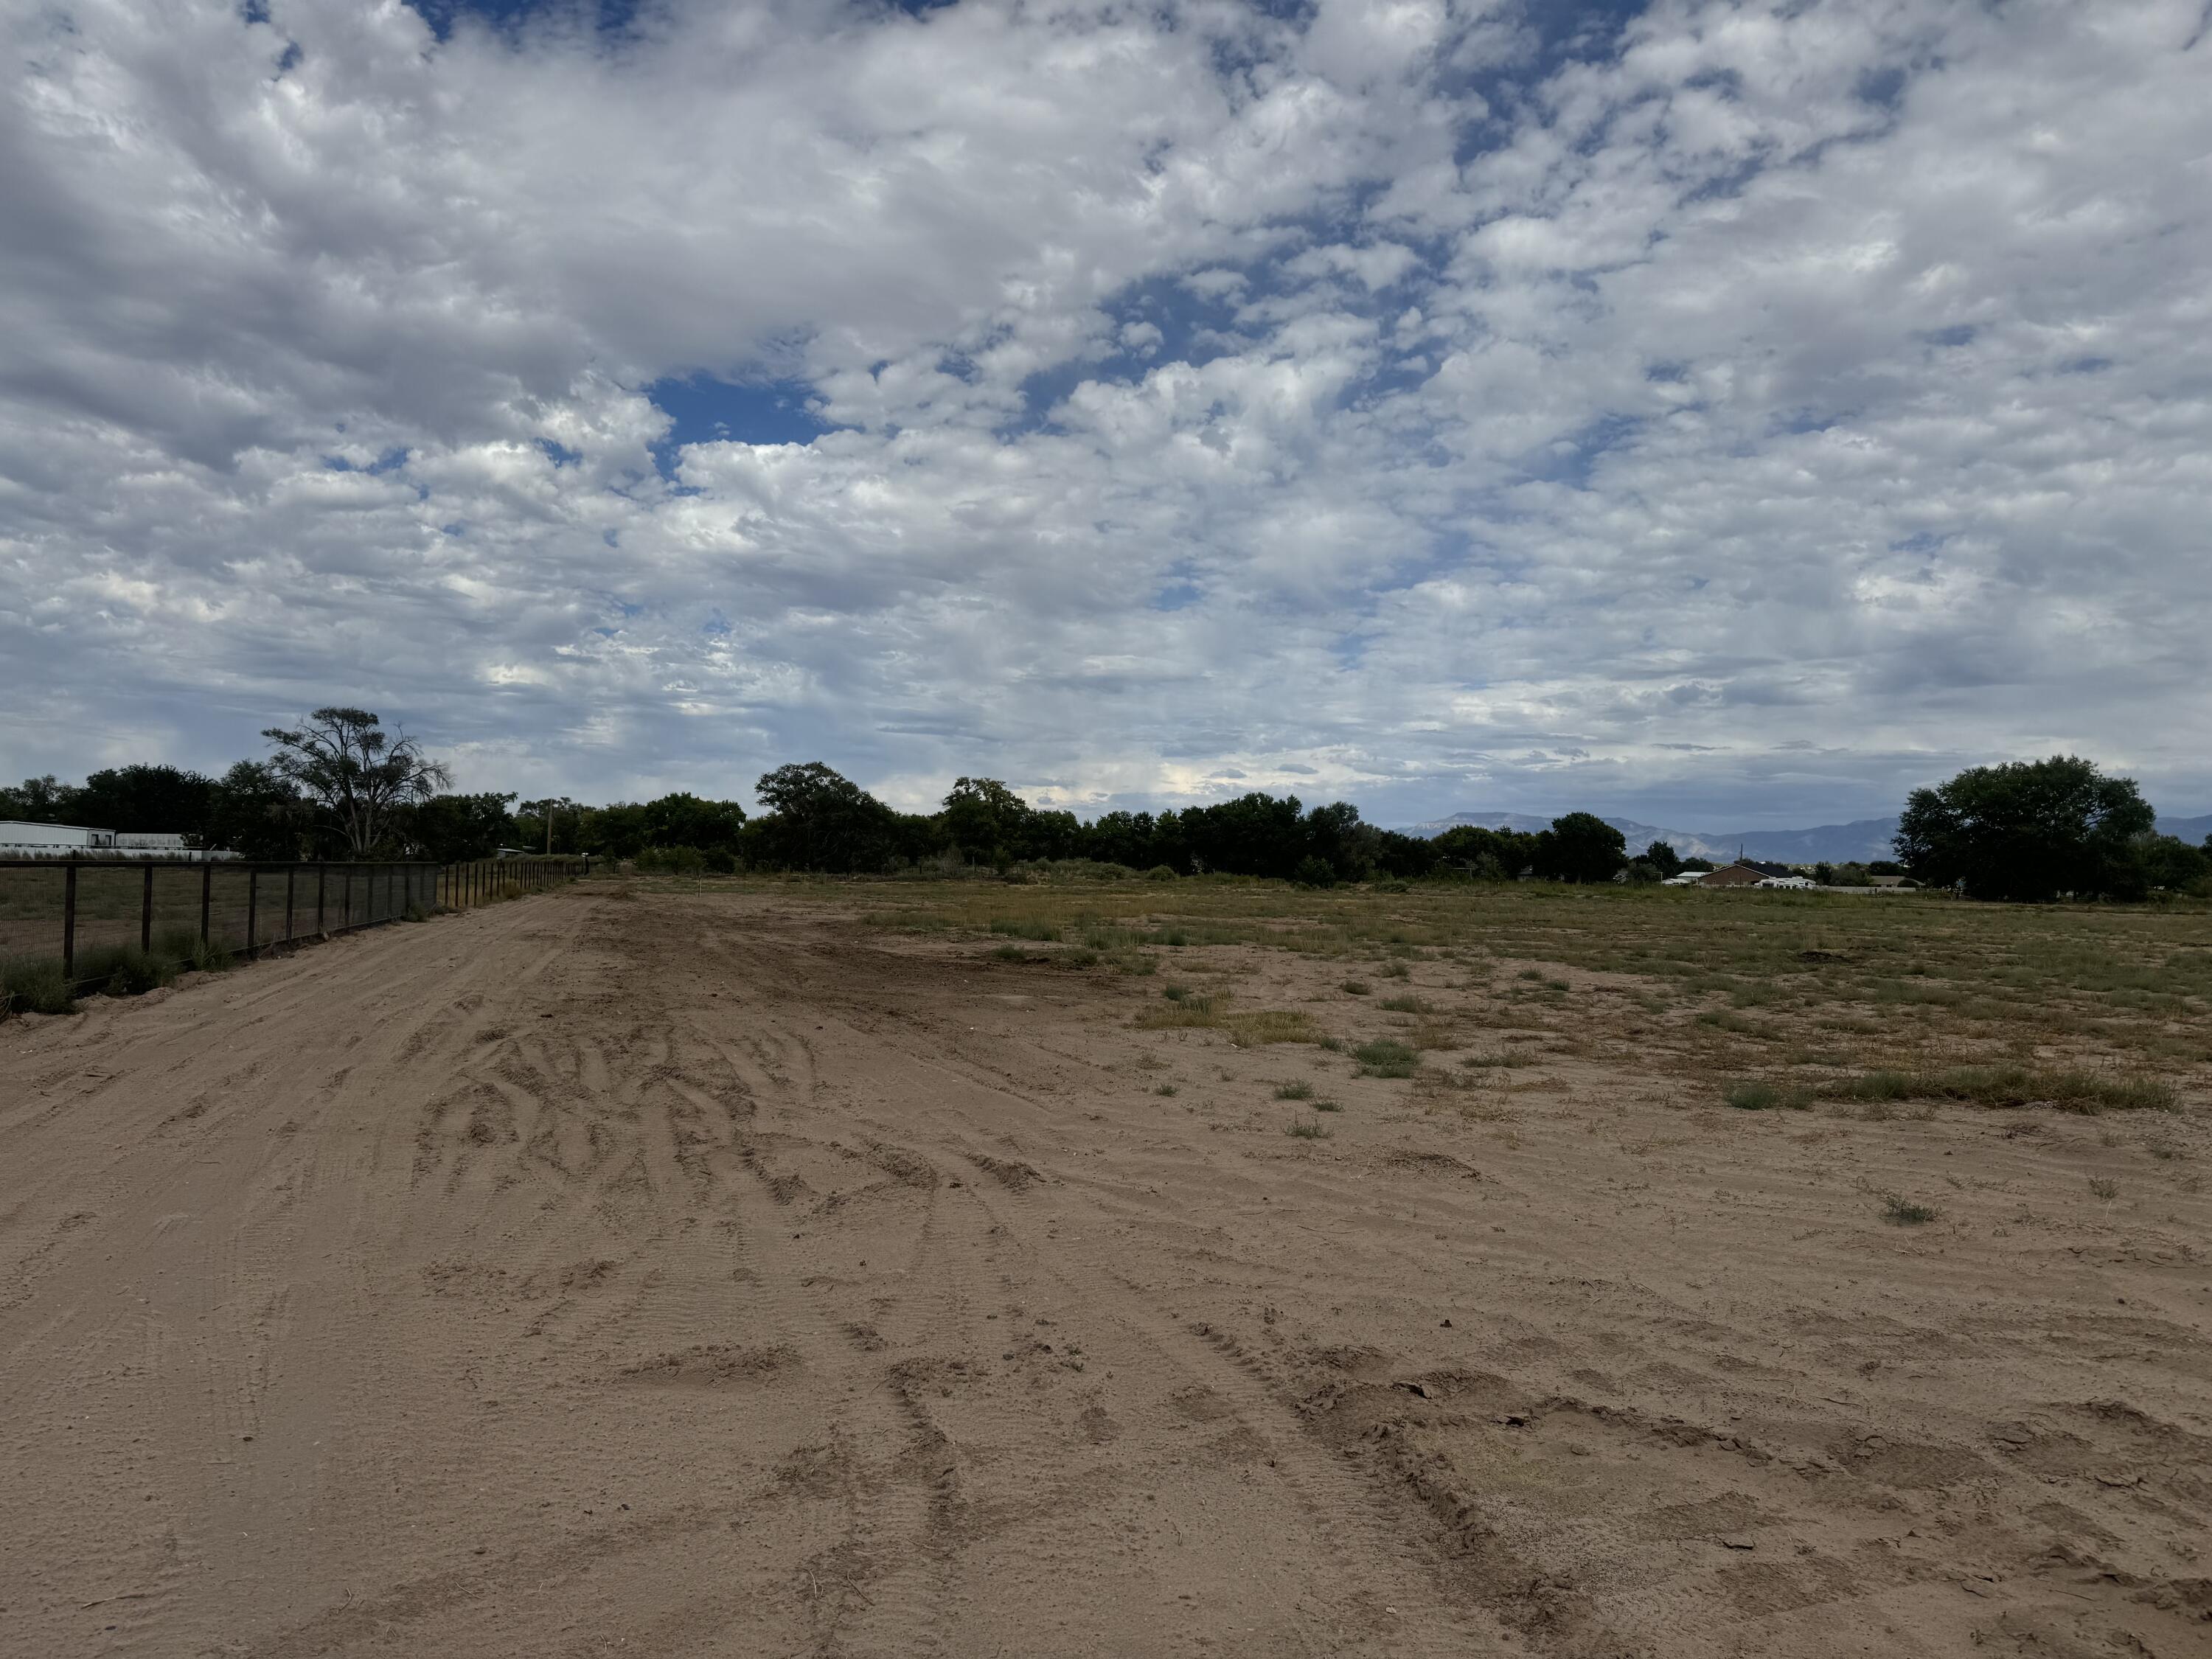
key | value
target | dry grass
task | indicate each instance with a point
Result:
(1903, 998)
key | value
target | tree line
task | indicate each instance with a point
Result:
(338, 785)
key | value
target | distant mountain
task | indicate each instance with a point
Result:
(2192, 830)
(1837, 843)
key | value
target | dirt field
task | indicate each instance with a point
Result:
(743, 1272)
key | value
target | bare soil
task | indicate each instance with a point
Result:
(663, 1275)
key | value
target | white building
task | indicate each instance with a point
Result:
(21, 840)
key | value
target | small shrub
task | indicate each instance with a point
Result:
(1387, 1057)
(2101, 1188)
(1904, 1212)
(1355, 987)
(1314, 871)
(185, 947)
(1160, 873)
(1405, 1004)
(122, 971)
(1294, 1092)
(1079, 957)
(1757, 1096)
(1166, 1090)
(1310, 1128)
(34, 988)
(1024, 927)
(1397, 970)
(1175, 993)
(1011, 953)
(1328, 1106)
(1334, 1045)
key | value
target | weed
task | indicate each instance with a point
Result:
(34, 988)
(1078, 958)
(1011, 953)
(183, 946)
(1404, 1005)
(1024, 927)
(1387, 1057)
(122, 971)
(1397, 970)
(1333, 1045)
(2012, 1086)
(1355, 987)
(1166, 1091)
(1294, 1092)
(1175, 993)
(1325, 1105)
(1904, 1212)
(1754, 1096)
(2107, 1190)
(1311, 1128)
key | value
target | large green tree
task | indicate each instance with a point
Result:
(2027, 830)
(817, 819)
(363, 776)
(1581, 847)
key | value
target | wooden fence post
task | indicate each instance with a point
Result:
(68, 922)
(253, 910)
(207, 893)
(146, 913)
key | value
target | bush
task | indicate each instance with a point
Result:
(1753, 1097)
(1160, 873)
(34, 988)
(1387, 1057)
(122, 971)
(1313, 872)
(183, 946)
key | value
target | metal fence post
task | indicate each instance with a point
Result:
(68, 922)
(146, 913)
(253, 910)
(322, 872)
(207, 893)
(291, 871)
(346, 923)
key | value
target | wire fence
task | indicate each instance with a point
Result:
(87, 914)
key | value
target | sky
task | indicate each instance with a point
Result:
(1723, 414)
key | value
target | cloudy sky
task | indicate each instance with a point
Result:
(1726, 414)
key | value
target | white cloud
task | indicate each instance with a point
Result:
(1220, 401)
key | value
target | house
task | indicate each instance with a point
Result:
(22, 840)
(1739, 874)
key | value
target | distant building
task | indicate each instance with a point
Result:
(22, 840)
(1733, 875)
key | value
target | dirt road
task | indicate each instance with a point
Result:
(653, 1276)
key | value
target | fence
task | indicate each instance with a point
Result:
(91, 909)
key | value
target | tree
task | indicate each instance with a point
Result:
(159, 800)
(257, 813)
(1664, 859)
(344, 761)
(684, 820)
(820, 820)
(452, 828)
(2026, 830)
(986, 820)
(1580, 846)
(37, 801)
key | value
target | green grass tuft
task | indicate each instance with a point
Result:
(1387, 1057)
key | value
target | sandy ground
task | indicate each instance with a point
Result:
(681, 1277)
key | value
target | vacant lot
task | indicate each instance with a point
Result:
(1134, 1269)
